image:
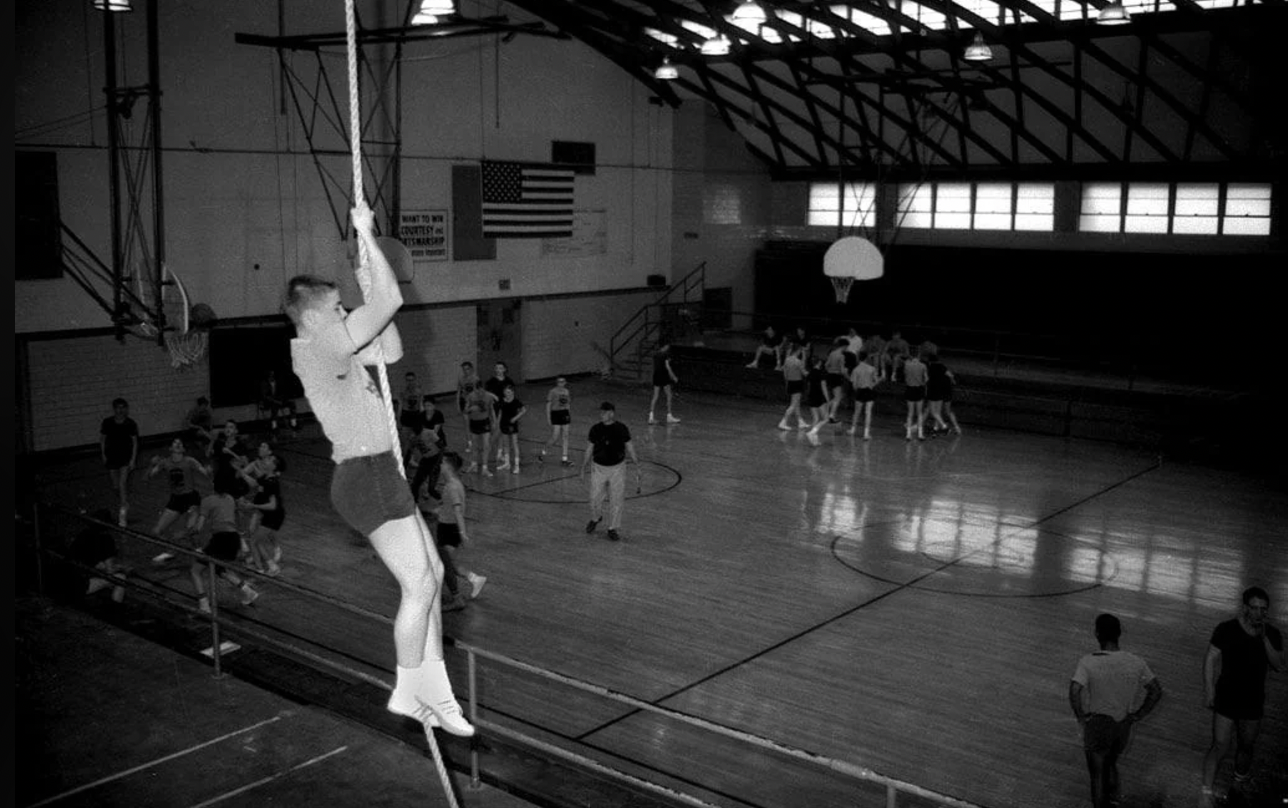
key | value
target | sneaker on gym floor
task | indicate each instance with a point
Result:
(671, 419)
(651, 419)
(487, 472)
(613, 536)
(476, 584)
(249, 596)
(161, 558)
(591, 525)
(565, 462)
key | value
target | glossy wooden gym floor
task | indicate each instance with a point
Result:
(916, 608)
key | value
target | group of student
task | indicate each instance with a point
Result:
(851, 370)
(238, 521)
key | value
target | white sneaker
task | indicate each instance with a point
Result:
(487, 472)
(784, 426)
(651, 419)
(204, 605)
(120, 518)
(671, 419)
(274, 569)
(476, 584)
(435, 692)
(503, 465)
(515, 470)
(249, 596)
(161, 558)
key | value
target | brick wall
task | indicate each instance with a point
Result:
(72, 382)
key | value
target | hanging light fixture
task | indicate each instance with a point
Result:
(666, 71)
(1113, 14)
(715, 46)
(749, 13)
(421, 18)
(113, 5)
(978, 50)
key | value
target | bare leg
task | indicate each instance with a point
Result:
(1222, 735)
(652, 404)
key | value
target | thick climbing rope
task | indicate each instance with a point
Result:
(363, 272)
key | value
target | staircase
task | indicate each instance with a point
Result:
(676, 315)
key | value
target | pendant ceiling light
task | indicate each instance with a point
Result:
(666, 71)
(978, 50)
(113, 5)
(1113, 14)
(749, 13)
(715, 46)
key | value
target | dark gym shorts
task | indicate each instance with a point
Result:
(224, 546)
(914, 394)
(1238, 707)
(272, 520)
(481, 427)
(661, 381)
(447, 535)
(835, 380)
(864, 394)
(509, 429)
(180, 503)
(1102, 733)
(112, 463)
(560, 417)
(795, 386)
(369, 491)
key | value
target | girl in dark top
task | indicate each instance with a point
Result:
(939, 392)
(816, 394)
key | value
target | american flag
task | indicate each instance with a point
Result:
(526, 200)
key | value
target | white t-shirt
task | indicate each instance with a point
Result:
(342, 395)
(1113, 682)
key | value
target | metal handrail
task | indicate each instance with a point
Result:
(892, 786)
(696, 278)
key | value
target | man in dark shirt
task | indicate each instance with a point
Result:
(1234, 678)
(118, 444)
(608, 448)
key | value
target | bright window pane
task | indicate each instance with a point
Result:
(1194, 225)
(1195, 209)
(1197, 199)
(987, 9)
(824, 202)
(952, 197)
(929, 17)
(993, 206)
(915, 206)
(1101, 198)
(1146, 208)
(1035, 197)
(1037, 221)
(1247, 200)
(993, 197)
(1070, 10)
(1246, 227)
(1099, 223)
(873, 23)
(859, 204)
(1247, 210)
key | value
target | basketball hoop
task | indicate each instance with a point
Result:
(851, 259)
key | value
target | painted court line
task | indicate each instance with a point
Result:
(150, 764)
(268, 779)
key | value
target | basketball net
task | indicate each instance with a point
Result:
(186, 349)
(841, 285)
